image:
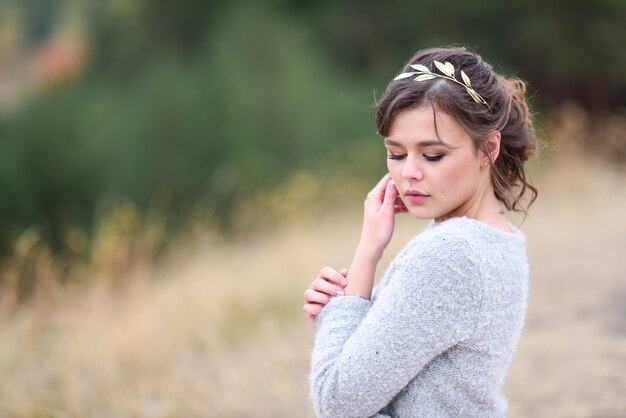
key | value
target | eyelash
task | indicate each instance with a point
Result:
(395, 156)
(433, 158)
(429, 158)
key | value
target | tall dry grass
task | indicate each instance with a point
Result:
(217, 330)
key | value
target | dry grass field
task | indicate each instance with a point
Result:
(220, 333)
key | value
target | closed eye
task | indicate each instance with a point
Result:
(432, 158)
(393, 156)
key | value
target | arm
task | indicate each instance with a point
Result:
(366, 354)
(378, 223)
(380, 206)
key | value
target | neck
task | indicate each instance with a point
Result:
(484, 207)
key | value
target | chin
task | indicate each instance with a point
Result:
(429, 213)
(420, 213)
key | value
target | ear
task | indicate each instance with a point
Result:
(492, 146)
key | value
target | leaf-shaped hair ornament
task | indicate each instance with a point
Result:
(447, 68)
(422, 73)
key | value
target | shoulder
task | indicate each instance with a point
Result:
(443, 255)
(448, 241)
(464, 236)
(460, 250)
(440, 275)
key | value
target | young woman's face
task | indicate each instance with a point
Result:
(435, 180)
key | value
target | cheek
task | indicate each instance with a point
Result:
(455, 176)
(395, 170)
(466, 178)
(393, 167)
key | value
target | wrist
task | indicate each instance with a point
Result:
(368, 253)
(362, 271)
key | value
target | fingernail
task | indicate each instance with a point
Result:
(391, 182)
(340, 293)
(343, 282)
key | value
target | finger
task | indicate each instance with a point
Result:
(344, 272)
(321, 285)
(379, 190)
(314, 296)
(331, 275)
(399, 206)
(391, 194)
(311, 311)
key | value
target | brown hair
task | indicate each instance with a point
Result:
(507, 113)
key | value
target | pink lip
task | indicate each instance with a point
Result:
(415, 196)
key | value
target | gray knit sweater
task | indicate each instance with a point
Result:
(438, 334)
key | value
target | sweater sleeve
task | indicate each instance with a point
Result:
(365, 353)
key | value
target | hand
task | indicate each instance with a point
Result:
(380, 206)
(399, 206)
(328, 283)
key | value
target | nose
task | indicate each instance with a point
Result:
(411, 170)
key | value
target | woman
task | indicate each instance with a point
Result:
(435, 337)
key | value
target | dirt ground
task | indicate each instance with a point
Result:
(571, 361)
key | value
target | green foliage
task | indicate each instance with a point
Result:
(195, 104)
(557, 46)
(232, 121)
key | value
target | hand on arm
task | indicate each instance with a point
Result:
(380, 206)
(327, 283)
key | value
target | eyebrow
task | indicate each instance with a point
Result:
(427, 143)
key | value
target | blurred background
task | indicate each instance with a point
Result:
(174, 174)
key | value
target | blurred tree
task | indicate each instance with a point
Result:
(38, 17)
(204, 103)
(567, 49)
(231, 120)
(127, 34)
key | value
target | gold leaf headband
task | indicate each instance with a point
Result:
(423, 74)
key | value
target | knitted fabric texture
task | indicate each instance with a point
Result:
(438, 334)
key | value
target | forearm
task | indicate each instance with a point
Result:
(378, 223)
(362, 271)
(337, 384)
